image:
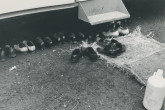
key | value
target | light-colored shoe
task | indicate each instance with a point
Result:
(111, 33)
(21, 47)
(123, 30)
(122, 27)
(111, 30)
(30, 45)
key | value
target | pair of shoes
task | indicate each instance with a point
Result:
(110, 30)
(112, 49)
(10, 51)
(41, 43)
(123, 27)
(7, 51)
(59, 38)
(78, 53)
(25, 46)
(114, 29)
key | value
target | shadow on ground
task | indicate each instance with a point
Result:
(46, 80)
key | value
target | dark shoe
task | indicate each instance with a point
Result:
(108, 53)
(10, 51)
(91, 53)
(57, 38)
(39, 43)
(48, 42)
(80, 36)
(122, 48)
(21, 47)
(103, 42)
(76, 55)
(90, 39)
(113, 49)
(63, 38)
(73, 38)
(2, 55)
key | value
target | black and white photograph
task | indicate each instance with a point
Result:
(82, 54)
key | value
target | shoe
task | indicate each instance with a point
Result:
(113, 49)
(21, 47)
(101, 36)
(63, 37)
(123, 29)
(39, 43)
(72, 37)
(57, 38)
(48, 41)
(81, 36)
(111, 30)
(76, 55)
(30, 45)
(10, 51)
(2, 55)
(90, 39)
(91, 54)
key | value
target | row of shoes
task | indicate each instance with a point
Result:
(111, 48)
(9, 51)
(83, 52)
(116, 28)
(40, 43)
(112, 29)
(58, 38)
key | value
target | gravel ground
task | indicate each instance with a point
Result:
(46, 80)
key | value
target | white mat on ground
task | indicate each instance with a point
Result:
(139, 46)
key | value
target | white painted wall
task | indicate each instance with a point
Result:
(7, 6)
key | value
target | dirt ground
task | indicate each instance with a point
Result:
(47, 80)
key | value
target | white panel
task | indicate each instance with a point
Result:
(104, 17)
(81, 0)
(101, 11)
(7, 6)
